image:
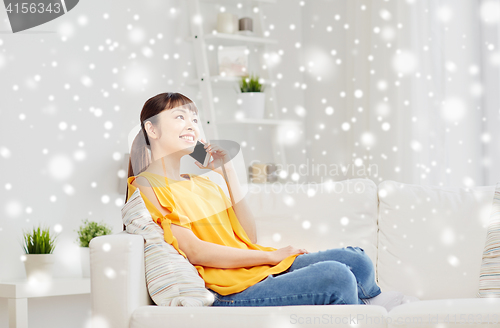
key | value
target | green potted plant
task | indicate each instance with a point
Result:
(39, 259)
(87, 231)
(252, 97)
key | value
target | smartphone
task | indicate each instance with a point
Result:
(200, 154)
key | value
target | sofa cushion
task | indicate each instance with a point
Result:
(316, 216)
(489, 278)
(431, 239)
(170, 278)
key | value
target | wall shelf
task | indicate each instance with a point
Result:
(241, 1)
(238, 38)
(227, 80)
(259, 121)
(207, 80)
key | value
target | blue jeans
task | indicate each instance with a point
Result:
(335, 276)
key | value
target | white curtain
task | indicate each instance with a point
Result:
(416, 92)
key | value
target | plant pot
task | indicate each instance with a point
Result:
(253, 104)
(39, 266)
(85, 260)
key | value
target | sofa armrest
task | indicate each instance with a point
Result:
(117, 278)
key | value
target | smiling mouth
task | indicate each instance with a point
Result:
(188, 139)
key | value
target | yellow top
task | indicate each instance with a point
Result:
(202, 206)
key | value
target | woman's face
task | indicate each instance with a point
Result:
(179, 130)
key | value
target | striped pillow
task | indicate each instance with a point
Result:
(489, 278)
(171, 279)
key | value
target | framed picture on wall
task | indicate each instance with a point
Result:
(233, 61)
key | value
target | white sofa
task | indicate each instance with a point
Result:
(424, 241)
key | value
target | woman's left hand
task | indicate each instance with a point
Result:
(220, 157)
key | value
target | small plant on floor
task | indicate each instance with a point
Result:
(251, 84)
(90, 230)
(39, 241)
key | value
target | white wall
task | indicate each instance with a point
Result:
(328, 45)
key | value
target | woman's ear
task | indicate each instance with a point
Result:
(151, 130)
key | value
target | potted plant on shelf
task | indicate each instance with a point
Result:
(39, 259)
(252, 97)
(87, 231)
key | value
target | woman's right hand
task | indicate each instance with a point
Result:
(280, 254)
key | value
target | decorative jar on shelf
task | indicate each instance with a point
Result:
(252, 98)
(245, 26)
(227, 23)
